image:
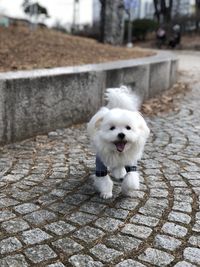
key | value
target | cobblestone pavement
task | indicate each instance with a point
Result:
(50, 215)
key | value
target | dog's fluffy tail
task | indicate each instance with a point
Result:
(122, 97)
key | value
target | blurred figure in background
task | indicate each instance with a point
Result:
(176, 36)
(160, 37)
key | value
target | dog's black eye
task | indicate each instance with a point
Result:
(128, 127)
(112, 128)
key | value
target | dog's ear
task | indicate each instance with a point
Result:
(144, 128)
(95, 122)
(98, 123)
(142, 125)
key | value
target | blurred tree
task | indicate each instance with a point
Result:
(112, 21)
(177, 8)
(197, 6)
(34, 9)
(163, 10)
(129, 6)
(141, 28)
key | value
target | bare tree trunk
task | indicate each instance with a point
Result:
(112, 21)
(197, 6)
(157, 12)
(161, 9)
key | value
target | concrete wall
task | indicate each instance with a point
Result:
(35, 102)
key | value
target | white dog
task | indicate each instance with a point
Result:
(118, 133)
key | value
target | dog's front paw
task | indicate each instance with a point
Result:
(106, 195)
(131, 182)
(104, 186)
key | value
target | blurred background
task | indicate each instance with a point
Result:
(163, 24)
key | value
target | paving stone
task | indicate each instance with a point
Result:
(183, 198)
(179, 217)
(195, 183)
(195, 241)
(184, 264)
(137, 230)
(157, 203)
(76, 199)
(38, 190)
(62, 208)
(84, 261)
(157, 192)
(15, 225)
(116, 213)
(192, 254)
(108, 224)
(178, 184)
(196, 190)
(12, 178)
(167, 242)
(81, 218)
(182, 206)
(6, 215)
(197, 217)
(16, 260)
(24, 196)
(127, 204)
(145, 220)
(93, 208)
(58, 193)
(105, 254)
(9, 245)
(7, 202)
(40, 253)
(152, 172)
(123, 243)
(152, 211)
(88, 234)
(156, 257)
(179, 191)
(174, 229)
(196, 227)
(34, 236)
(130, 263)
(2, 195)
(60, 228)
(26, 208)
(67, 245)
(40, 217)
(87, 189)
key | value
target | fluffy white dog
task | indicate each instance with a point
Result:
(118, 133)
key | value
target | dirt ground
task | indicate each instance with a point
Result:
(23, 49)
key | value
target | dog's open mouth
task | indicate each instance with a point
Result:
(120, 145)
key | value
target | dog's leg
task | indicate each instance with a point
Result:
(104, 186)
(130, 183)
(102, 182)
(118, 173)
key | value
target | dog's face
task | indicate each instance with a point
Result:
(120, 130)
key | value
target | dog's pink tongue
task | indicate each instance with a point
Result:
(120, 146)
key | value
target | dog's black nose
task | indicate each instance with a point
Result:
(121, 135)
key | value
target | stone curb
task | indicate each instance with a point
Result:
(38, 101)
